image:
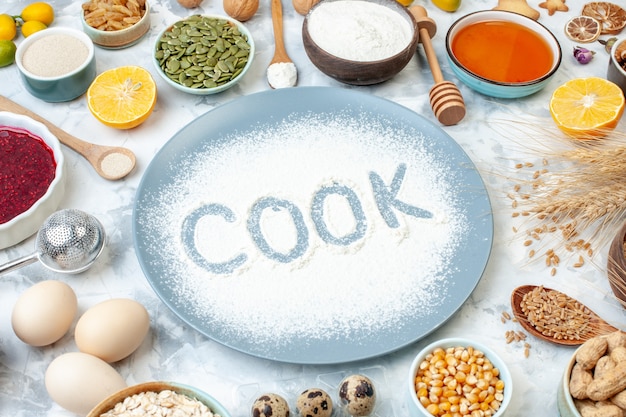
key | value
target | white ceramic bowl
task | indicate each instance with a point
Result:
(564, 400)
(615, 72)
(158, 386)
(206, 90)
(496, 88)
(416, 409)
(28, 222)
(57, 88)
(118, 39)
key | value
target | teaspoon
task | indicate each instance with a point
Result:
(110, 162)
(282, 71)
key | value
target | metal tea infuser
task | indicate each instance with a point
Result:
(69, 241)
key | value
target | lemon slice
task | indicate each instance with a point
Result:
(583, 29)
(612, 17)
(122, 97)
(587, 108)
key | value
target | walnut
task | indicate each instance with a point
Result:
(190, 4)
(241, 10)
(303, 6)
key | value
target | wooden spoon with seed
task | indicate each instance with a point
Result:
(583, 322)
(110, 162)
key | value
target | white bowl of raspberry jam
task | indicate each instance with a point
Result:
(32, 180)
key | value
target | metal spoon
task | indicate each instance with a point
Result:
(110, 162)
(597, 326)
(282, 71)
(69, 241)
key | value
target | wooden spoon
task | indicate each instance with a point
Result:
(597, 325)
(281, 71)
(110, 162)
(445, 97)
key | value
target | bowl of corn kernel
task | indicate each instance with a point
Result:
(457, 376)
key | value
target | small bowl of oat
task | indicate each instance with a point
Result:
(115, 24)
(156, 395)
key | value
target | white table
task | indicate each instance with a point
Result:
(173, 351)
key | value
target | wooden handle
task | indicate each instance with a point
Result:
(280, 54)
(65, 138)
(95, 154)
(445, 98)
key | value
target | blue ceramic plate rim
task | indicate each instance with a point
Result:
(273, 106)
(458, 66)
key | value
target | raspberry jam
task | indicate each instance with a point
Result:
(27, 167)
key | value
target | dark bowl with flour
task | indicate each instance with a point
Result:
(360, 42)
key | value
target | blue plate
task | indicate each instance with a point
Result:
(224, 129)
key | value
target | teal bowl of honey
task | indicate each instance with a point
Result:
(502, 54)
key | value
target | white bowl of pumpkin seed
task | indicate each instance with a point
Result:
(204, 54)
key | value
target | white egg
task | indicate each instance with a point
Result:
(112, 329)
(44, 313)
(78, 381)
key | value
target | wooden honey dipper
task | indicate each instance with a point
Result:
(445, 97)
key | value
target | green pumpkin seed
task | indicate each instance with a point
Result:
(202, 52)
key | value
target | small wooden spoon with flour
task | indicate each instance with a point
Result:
(282, 71)
(110, 162)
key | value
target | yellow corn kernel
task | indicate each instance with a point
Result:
(460, 376)
(433, 409)
(473, 398)
(437, 391)
(422, 392)
(500, 385)
(444, 406)
(455, 399)
(424, 401)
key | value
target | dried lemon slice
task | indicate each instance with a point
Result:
(612, 17)
(583, 29)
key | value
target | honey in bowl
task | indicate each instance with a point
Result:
(502, 51)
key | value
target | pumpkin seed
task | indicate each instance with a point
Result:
(202, 52)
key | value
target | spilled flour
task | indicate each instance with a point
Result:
(323, 227)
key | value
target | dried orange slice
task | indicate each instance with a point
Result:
(587, 108)
(583, 29)
(612, 17)
(122, 97)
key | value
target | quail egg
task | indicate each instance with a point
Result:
(314, 402)
(357, 395)
(270, 405)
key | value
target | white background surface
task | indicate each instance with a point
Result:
(172, 350)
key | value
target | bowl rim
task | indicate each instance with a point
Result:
(135, 26)
(81, 36)
(391, 4)
(41, 131)
(496, 360)
(200, 395)
(219, 88)
(612, 58)
(510, 17)
(569, 401)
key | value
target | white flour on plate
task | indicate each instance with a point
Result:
(318, 260)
